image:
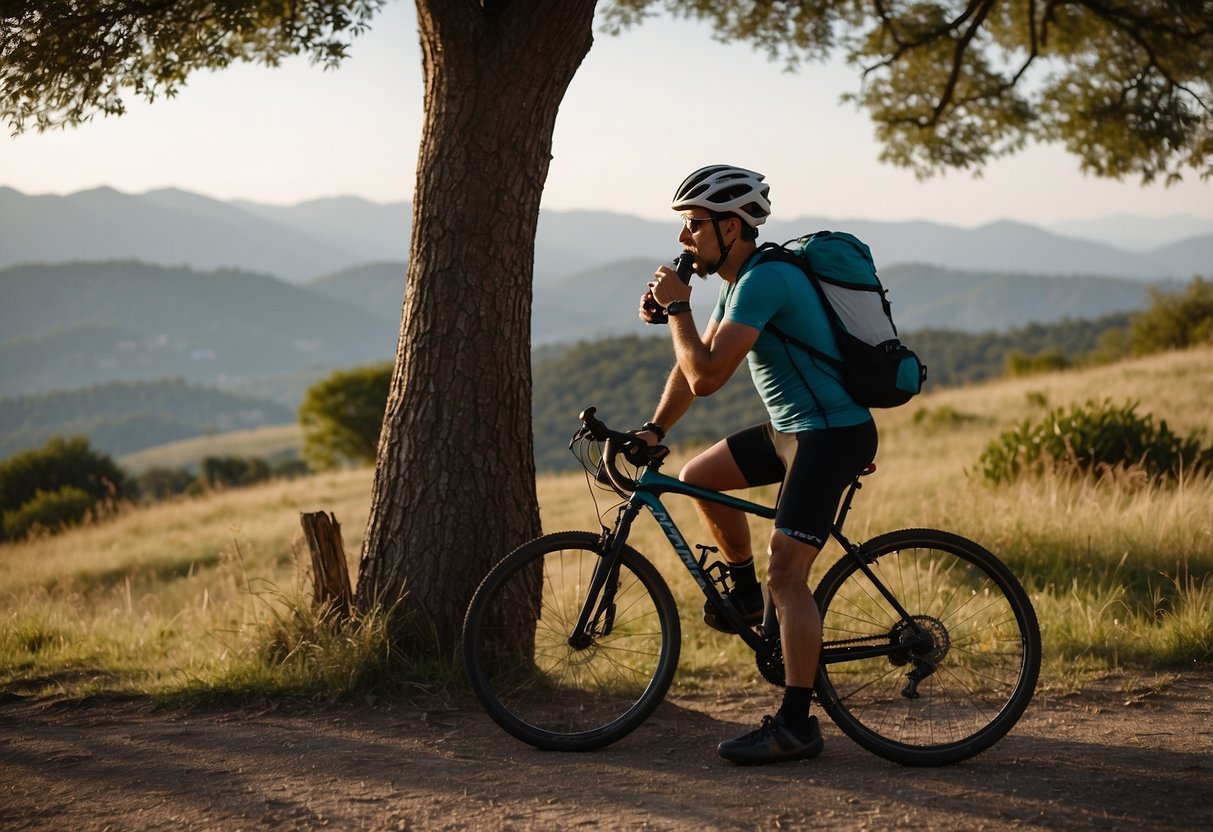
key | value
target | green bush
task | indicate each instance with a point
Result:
(342, 415)
(1175, 320)
(161, 483)
(60, 463)
(233, 471)
(50, 510)
(1092, 440)
(1020, 364)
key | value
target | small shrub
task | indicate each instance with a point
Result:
(233, 471)
(1021, 364)
(50, 510)
(162, 483)
(60, 463)
(1092, 440)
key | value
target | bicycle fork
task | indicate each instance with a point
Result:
(597, 615)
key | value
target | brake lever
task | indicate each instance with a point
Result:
(581, 433)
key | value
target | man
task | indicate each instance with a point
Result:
(816, 442)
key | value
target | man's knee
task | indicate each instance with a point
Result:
(791, 560)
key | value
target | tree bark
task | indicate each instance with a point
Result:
(330, 574)
(454, 486)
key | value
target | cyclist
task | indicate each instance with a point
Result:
(816, 441)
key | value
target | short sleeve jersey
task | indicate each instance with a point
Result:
(779, 293)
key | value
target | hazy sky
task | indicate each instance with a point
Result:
(645, 109)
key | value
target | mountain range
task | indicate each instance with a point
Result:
(305, 241)
(72, 325)
(102, 289)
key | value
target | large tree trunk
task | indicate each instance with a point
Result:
(455, 482)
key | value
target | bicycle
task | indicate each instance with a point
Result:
(931, 648)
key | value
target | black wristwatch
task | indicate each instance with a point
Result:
(653, 427)
(678, 307)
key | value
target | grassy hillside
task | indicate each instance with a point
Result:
(272, 442)
(198, 595)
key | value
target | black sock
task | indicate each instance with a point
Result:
(745, 581)
(795, 707)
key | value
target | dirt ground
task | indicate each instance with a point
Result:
(1123, 754)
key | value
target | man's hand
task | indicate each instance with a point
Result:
(650, 438)
(650, 311)
(667, 287)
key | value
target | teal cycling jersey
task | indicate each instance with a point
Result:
(800, 393)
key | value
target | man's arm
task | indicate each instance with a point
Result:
(707, 363)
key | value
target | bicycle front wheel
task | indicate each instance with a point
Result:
(953, 695)
(550, 686)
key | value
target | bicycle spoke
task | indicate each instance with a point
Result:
(573, 690)
(961, 690)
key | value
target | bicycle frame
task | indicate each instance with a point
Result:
(650, 485)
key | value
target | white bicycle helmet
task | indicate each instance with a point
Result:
(724, 189)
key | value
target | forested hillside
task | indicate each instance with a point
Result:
(122, 417)
(75, 324)
(623, 378)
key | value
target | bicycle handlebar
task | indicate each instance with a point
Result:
(634, 449)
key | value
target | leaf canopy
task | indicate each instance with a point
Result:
(64, 61)
(1125, 85)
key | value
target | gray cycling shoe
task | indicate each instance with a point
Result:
(774, 742)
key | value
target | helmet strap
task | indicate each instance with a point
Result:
(724, 250)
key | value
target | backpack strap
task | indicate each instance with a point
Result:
(776, 252)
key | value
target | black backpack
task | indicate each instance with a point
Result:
(876, 369)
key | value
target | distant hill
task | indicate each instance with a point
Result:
(74, 325)
(602, 302)
(377, 288)
(120, 418)
(79, 323)
(302, 242)
(1134, 233)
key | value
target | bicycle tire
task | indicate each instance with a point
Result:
(529, 678)
(985, 655)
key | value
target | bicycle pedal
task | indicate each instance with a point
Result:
(718, 571)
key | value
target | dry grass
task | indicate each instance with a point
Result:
(186, 596)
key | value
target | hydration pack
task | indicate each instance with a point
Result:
(876, 369)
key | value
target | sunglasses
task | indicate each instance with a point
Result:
(692, 223)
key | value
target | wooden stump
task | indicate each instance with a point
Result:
(330, 574)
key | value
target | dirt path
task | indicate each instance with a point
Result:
(1117, 756)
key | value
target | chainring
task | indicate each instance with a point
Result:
(771, 666)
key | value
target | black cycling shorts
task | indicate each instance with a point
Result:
(814, 467)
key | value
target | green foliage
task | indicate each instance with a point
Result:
(1020, 364)
(1125, 87)
(1093, 440)
(343, 414)
(957, 358)
(233, 471)
(162, 483)
(1175, 320)
(62, 61)
(122, 417)
(623, 378)
(59, 464)
(49, 510)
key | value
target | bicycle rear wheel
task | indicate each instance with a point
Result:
(963, 691)
(541, 682)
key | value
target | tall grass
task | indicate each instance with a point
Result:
(206, 597)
